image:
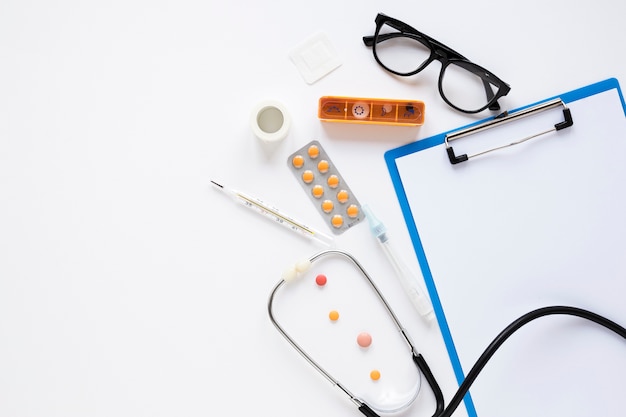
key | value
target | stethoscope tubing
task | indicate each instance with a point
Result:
(441, 410)
(417, 358)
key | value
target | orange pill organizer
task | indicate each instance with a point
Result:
(371, 111)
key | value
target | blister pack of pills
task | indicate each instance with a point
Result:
(325, 187)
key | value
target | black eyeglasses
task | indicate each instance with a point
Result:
(405, 51)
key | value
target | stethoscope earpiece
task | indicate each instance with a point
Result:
(291, 273)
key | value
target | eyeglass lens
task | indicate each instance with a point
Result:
(464, 88)
(399, 53)
(463, 84)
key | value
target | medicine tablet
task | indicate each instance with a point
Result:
(307, 176)
(322, 166)
(337, 221)
(317, 191)
(364, 339)
(321, 280)
(352, 211)
(375, 375)
(327, 206)
(314, 151)
(333, 181)
(333, 315)
(298, 161)
(343, 196)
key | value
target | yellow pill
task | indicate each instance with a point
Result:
(337, 221)
(327, 206)
(343, 196)
(323, 166)
(314, 151)
(307, 176)
(352, 211)
(333, 315)
(375, 375)
(317, 191)
(333, 181)
(298, 161)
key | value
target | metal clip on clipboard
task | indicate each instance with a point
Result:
(506, 118)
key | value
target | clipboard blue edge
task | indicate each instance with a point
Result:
(420, 145)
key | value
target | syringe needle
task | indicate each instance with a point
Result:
(274, 214)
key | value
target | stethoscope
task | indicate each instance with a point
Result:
(299, 268)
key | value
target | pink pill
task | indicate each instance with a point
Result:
(364, 339)
(320, 280)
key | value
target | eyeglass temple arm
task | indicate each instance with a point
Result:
(490, 95)
(368, 40)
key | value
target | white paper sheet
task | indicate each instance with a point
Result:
(538, 224)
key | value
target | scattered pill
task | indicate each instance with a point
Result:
(327, 206)
(317, 191)
(375, 375)
(307, 176)
(333, 315)
(298, 161)
(321, 280)
(364, 339)
(314, 151)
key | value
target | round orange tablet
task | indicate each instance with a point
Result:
(314, 151)
(352, 211)
(333, 315)
(317, 191)
(337, 221)
(375, 375)
(327, 206)
(323, 166)
(307, 176)
(297, 161)
(343, 196)
(333, 181)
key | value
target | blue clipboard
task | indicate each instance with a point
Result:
(540, 223)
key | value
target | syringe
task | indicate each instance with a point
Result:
(409, 282)
(274, 214)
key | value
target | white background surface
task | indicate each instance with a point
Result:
(128, 286)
